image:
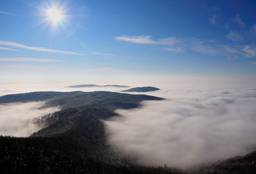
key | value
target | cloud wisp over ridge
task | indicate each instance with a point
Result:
(16, 45)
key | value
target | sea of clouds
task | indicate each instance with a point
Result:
(194, 126)
(198, 123)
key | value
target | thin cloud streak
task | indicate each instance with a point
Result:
(6, 13)
(101, 53)
(147, 40)
(26, 59)
(17, 45)
(212, 19)
(175, 50)
(237, 19)
(144, 40)
(7, 49)
(253, 28)
(234, 36)
(248, 51)
(196, 45)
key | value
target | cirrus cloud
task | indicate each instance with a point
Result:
(146, 40)
(16, 45)
(238, 20)
(26, 59)
(234, 36)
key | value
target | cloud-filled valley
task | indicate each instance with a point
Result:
(19, 119)
(192, 127)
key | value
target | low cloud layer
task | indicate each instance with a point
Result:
(18, 119)
(192, 127)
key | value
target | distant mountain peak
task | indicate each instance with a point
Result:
(142, 89)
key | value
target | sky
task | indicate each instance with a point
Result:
(118, 40)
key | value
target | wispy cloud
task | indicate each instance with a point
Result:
(7, 49)
(204, 47)
(102, 53)
(175, 50)
(16, 45)
(238, 20)
(147, 40)
(234, 36)
(212, 19)
(144, 40)
(6, 13)
(248, 51)
(225, 50)
(231, 51)
(253, 28)
(26, 59)
(169, 41)
(197, 45)
(173, 44)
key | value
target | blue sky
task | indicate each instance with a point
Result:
(135, 37)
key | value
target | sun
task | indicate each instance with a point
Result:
(54, 15)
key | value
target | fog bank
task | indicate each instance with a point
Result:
(18, 119)
(194, 126)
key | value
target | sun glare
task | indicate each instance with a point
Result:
(54, 15)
